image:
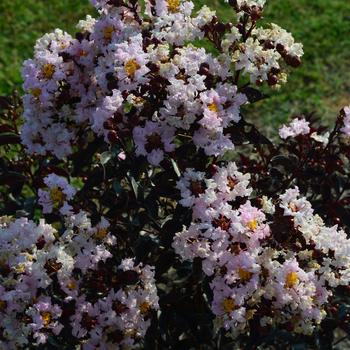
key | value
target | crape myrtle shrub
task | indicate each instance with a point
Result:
(141, 209)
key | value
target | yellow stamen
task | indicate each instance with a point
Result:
(46, 316)
(252, 225)
(71, 285)
(20, 268)
(173, 5)
(131, 67)
(108, 32)
(57, 196)
(83, 53)
(144, 307)
(213, 107)
(232, 182)
(291, 280)
(244, 275)
(101, 233)
(36, 92)
(228, 305)
(3, 305)
(48, 70)
(63, 45)
(250, 314)
(130, 333)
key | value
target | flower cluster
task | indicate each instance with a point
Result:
(123, 75)
(261, 53)
(275, 261)
(295, 128)
(54, 285)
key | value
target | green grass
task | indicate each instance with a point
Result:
(323, 26)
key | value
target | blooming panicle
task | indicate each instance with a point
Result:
(36, 258)
(248, 265)
(122, 73)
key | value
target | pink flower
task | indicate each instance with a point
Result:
(153, 140)
(58, 194)
(346, 128)
(214, 142)
(44, 317)
(295, 128)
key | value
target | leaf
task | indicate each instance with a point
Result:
(151, 205)
(117, 187)
(5, 102)
(252, 94)
(299, 347)
(287, 162)
(12, 178)
(7, 138)
(176, 168)
(343, 311)
(127, 107)
(5, 128)
(105, 157)
(135, 186)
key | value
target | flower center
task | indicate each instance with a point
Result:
(108, 32)
(3, 305)
(252, 225)
(46, 316)
(244, 275)
(228, 305)
(52, 266)
(144, 307)
(72, 285)
(88, 322)
(131, 67)
(173, 5)
(101, 233)
(20, 268)
(223, 222)
(291, 280)
(57, 196)
(154, 141)
(119, 307)
(197, 188)
(249, 314)
(48, 70)
(231, 182)
(82, 53)
(36, 92)
(213, 107)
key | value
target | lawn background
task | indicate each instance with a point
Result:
(323, 26)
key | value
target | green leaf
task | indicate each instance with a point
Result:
(135, 187)
(105, 157)
(117, 187)
(128, 107)
(176, 168)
